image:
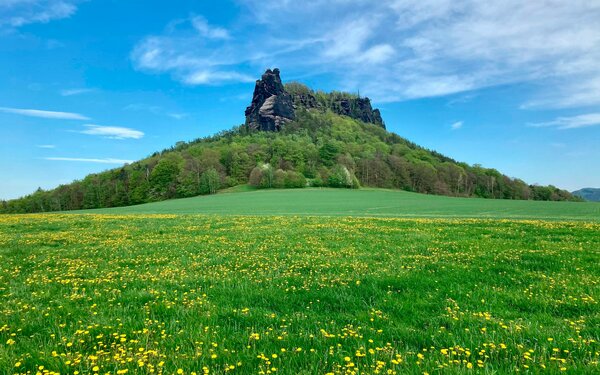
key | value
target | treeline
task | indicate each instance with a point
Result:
(317, 149)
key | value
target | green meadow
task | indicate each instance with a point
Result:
(303, 282)
(364, 202)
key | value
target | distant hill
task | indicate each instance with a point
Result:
(589, 194)
(293, 137)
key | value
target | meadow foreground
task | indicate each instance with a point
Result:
(97, 294)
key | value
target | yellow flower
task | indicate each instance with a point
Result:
(180, 371)
(95, 368)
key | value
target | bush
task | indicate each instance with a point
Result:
(294, 180)
(261, 176)
(340, 177)
(279, 179)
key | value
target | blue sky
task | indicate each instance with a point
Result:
(89, 85)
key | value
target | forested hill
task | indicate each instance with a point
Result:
(314, 146)
(588, 194)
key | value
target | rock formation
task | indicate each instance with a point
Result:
(358, 108)
(271, 105)
(340, 103)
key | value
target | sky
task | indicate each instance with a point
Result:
(87, 85)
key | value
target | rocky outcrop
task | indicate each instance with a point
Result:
(338, 102)
(271, 105)
(358, 108)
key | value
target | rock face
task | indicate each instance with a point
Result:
(271, 105)
(358, 108)
(340, 103)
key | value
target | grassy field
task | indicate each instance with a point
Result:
(364, 202)
(172, 294)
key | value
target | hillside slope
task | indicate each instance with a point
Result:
(319, 146)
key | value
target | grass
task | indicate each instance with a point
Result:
(363, 202)
(137, 294)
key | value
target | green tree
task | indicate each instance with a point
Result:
(209, 181)
(163, 179)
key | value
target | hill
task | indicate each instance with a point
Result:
(361, 203)
(589, 194)
(293, 137)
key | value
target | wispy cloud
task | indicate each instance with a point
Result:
(574, 122)
(210, 60)
(178, 116)
(46, 146)
(456, 125)
(16, 13)
(395, 49)
(92, 160)
(112, 132)
(71, 92)
(208, 31)
(155, 109)
(44, 114)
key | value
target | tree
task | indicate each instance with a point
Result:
(209, 181)
(294, 180)
(328, 153)
(261, 176)
(163, 179)
(341, 177)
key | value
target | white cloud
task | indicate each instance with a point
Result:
(92, 160)
(200, 57)
(349, 38)
(113, 132)
(395, 49)
(71, 92)
(157, 110)
(178, 116)
(16, 13)
(46, 146)
(378, 54)
(574, 122)
(44, 114)
(205, 77)
(456, 125)
(202, 26)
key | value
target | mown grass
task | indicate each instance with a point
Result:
(96, 294)
(363, 202)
